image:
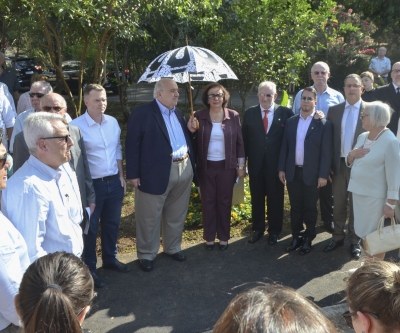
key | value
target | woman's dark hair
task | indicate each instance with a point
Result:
(375, 288)
(272, 309)
(204, 97)
(54, 291)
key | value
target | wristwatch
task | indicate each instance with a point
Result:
(391, 206)
(241, 168)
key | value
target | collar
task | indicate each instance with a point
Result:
(271, 108)
(311, 115)
(90, 120)
(395, 87)
(164, 109)
(326, 91)
(44, 168)
(357, 104)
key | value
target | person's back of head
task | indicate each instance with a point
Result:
(55, 294)
(373, 292)
(272, 309)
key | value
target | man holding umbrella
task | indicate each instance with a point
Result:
(160, 165)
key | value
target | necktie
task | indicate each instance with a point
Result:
(398, 90)
(348, 133)
(265, 120)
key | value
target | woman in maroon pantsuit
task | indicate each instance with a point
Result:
(220, 160)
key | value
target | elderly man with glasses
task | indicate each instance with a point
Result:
(326, 97)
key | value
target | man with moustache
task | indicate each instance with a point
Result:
(47, 190)
(101, 135)
(160, 165)
(347, 126)
(263, 127)
(326, 97)
(304, 166)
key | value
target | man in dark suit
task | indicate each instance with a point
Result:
(304, 166)
(347, 126)
(78, 162)
(160, 165)
(263, 127)
(390, 94)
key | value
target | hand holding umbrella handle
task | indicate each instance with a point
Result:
(193, 124)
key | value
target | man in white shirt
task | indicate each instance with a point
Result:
(380, 65)
(101, 134)
(47, 189)
(347, 126)
(7, 113)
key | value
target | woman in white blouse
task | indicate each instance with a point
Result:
(375, 173)
(220, 160)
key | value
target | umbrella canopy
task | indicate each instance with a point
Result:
(200, 63)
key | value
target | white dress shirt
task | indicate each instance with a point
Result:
(45, 206)
(380, 65)
(14, 261)
(24, 102)
(355, 112)
(302, 128)
(7, 111)
(102, 143)
(270, 115)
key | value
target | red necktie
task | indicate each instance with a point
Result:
(265, 120)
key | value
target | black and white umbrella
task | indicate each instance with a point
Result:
(187, 64)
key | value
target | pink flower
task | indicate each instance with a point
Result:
(339, 6)
(334, 25)
(350, 11)
(333, 9)
(342, 49)
(365, 23)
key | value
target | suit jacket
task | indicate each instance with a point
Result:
(232, 134)
(317, 150)
(148, 149)
(335, 116)
(387, 94)
(78, 162)
(257, 143)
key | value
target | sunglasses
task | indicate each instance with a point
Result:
(307, 99)
(214, 96)
(3, 161)
(66, 137)
(318, 72)
(38, 95)
(347, 317)
(265, 95)
(55, 108)
(81, 310)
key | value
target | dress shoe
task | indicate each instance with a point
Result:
(223, 247)
(210, 247)
(272, 239)
(256, 236)
(306, 247)
(146, 265)
(294, 244)
(98, 283)
(329, 226)
(178, 256)
(117, 266)
(333, 245)
(355, 251)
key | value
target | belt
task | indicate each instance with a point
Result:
(180, 159)
(103, 179)
(299, 166)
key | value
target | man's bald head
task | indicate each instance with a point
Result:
(55, 103)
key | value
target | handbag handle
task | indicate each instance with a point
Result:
(382, 220)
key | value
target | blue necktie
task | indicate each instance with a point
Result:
(348, 133)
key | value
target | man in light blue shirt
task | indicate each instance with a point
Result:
(47, 189)
(326, 97)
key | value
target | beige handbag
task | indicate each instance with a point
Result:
(384, 239)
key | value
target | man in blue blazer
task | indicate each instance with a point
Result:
(160, 165)
(304, 165)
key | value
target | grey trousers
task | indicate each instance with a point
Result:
(12, 329)
(168, 209)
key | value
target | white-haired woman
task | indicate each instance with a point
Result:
(375, 173)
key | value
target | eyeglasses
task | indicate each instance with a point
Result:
(347, 317)
(319, 72)
(55, 108)
(307, 99)
(352, 86)
(3, 161)
(66, 137)
(364, 115)
(397, 71)
(38, 95)
(81, 310)
(215, 96)
(265, 95)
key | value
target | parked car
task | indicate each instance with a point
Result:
(25, 68)
(70, 71)
(111, 81)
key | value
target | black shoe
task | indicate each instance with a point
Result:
(178, 256)
(118, 267)
(333, 245)
(306, 247)
(98, 283)
(146, 265)
(256, 237)
(210, 247)
(294, 244)
(272, 239)
(355, 251)
(329, 226)
(223, 247)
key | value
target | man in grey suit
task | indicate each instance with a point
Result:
(347, 126)
(55, 103)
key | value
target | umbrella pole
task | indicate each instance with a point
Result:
(191, 102)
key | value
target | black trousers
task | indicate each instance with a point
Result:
(303, 205)
(326, 202)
